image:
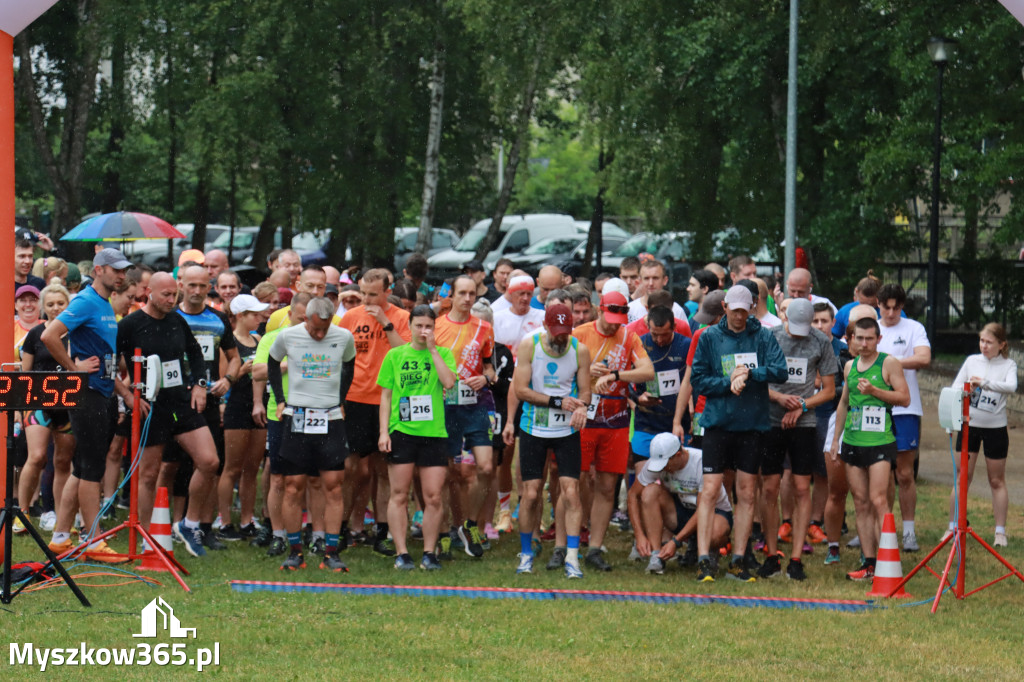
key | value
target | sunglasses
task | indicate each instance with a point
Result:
(617, 309)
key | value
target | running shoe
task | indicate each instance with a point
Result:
(263, 537)
(689, 558)
(795, 570)
(48, 521)
(417, 518)
(403, 562)
(655, 565)
(249, 531)
(318, 546)
(18, 527)
(210, 541)
(557, 559)
(1000, 540)
(356, 538)
(633, 554)
(446, 548)
(808, 548)
(192, 538)
(770, 568)
(332, 562)
(537, 547)
(430, 562)
(705, 571)
(59, 548)
(750, 561)
(832, 557)
(490, 533)
(416, 531)
(854, 541)
(385, 548)
(910, 542)
(515, 514)
(229, 533)
(585, 536)
(865, 572)
(737, 571)
(573, 570)
(504, 524)
(596, 559)
(104, 553)
(278, 546)
(816, 535)
(470, 536)
(294, 562)
(786, 532)
(549, 534)
(525, 564)
(618, 518)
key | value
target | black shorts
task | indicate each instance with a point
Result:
(996, 441)
(93, 425)
(423, 451)
(800, 444)
(533, 450)
(58, 420)
(168, 420)
(864, 456)
(731, 451)
(303, 452)
(500, 419)
(363, 425)
(238, 415)
(685, 513)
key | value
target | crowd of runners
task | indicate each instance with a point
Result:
(324, 409)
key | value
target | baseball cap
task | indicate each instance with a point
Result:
(799, 315)
(615, 307)
(74, 274)
(331, 289)
(113, 258)
(663, 446)
(738, 297)
(616, 284)
(710, 307)
(520, 283)
(750, 286)
(194, 255)
(28, 289)
(474, 265)
(558, 320)
(247, 303)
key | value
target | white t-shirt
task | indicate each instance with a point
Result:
(510, 328)
(314, 367)
(685, 483)
(769, 320)
(899, 341)
(988, 406)
(637, 310)
(500, 303)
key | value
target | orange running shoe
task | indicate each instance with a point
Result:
(815, 535)
(786, 532)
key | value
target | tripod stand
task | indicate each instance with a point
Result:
(958, 538)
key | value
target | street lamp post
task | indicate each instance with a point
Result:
(940, 50)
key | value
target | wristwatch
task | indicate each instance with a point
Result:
(389, 327)
(803, 404)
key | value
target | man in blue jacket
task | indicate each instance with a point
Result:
(732, 367)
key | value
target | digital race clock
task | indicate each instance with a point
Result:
(41, 390)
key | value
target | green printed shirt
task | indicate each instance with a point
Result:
(417, 397)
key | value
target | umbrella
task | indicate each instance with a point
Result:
(120, 227)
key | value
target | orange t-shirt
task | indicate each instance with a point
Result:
(470, 342)
(371, 347)
(619, 351)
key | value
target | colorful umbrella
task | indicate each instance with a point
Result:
(120, 227)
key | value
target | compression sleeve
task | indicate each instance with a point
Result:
(275, 377)
(348, 370)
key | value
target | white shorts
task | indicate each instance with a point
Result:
(830, 436)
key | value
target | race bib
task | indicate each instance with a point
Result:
(797, 369)
(109, 366)
(206, 343)
(695, 428)
(557, 418)
(987, 401)
(495, 418)
(595, 400)
(415, 408)
(170, 374)
(315, 421)
(748, 360)
(872, 418)
(666, 383)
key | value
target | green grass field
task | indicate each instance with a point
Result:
(331, 636)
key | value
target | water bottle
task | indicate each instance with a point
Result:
(17, 429)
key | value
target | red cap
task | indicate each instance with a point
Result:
(558, 320)
(614, 298)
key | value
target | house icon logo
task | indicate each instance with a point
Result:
(158, 615)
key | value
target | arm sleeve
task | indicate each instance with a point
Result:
(274, 377)
(706, 378)
(348, 370)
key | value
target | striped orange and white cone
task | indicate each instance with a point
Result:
(888, 570)
(160, 529)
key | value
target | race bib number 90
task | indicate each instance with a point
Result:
(170, 374)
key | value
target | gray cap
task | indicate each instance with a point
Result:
(710, 307)
(113, 258)
(739, 297)
(799, 315)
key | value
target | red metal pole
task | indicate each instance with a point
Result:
(133, 505)
(961, 519)
(6, 228)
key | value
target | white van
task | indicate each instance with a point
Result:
(517, 233)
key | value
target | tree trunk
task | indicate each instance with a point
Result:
(430, 171)
(112, 193)
(595, 239)
(522, 138)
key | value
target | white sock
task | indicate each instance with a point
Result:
(283, 534)
(908, 527)
(60, 537)
(189, 523)
(1001, 529)
(572, 555)
(322, 534)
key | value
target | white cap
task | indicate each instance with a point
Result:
(663, 447)
(799, 315)
(615, 284)
(246, 303)
(739, 297)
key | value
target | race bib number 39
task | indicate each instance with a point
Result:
(797, 370)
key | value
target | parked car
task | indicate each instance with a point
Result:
(558, 250)
(153, 252)
(728, 244)
(305, 243)
(671, 248)
(405, 244)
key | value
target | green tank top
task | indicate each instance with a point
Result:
(869, 419)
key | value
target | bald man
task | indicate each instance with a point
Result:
(216, 262)
(548, 279)
(798, 285)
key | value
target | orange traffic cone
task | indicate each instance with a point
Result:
(888, 571)
(160, 529)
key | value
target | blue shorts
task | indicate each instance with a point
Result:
(468, 427)
(641, 445)
(907, 429)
